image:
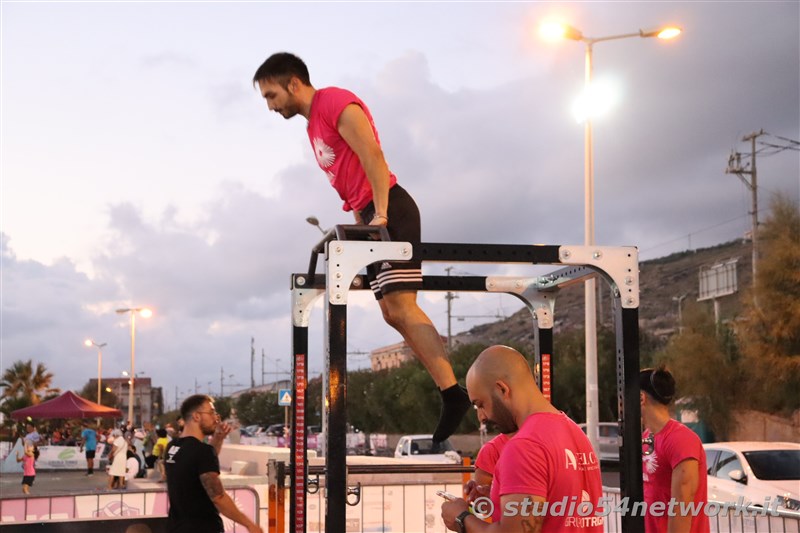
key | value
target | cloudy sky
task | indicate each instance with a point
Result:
(141, 168)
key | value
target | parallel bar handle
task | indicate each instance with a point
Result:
(352, 232)
(341, 232)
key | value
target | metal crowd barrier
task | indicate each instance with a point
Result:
(726, 518)
(410, 507)
(56, 513)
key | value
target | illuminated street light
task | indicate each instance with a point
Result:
(552, 30)
(666, 33)
(89, 343)
(144, 313)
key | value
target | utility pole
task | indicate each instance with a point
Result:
(252, 362)
(450, 296)
(277, 371)
(735, 167)
(222, 384)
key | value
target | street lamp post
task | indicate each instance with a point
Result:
(555, 31)
(144, 313)
(90, 343)
(680, 299)
(314, 221)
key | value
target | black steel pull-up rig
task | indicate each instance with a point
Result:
(346, 256)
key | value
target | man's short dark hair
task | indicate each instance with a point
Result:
(161, 433)
(281, 68)
(193, 403)
(658, 383)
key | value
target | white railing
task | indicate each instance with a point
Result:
(131, 504)
(725, 517)
(409, 508)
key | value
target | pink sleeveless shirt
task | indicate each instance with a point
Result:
(334, 156)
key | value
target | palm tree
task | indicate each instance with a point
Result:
(25, 385)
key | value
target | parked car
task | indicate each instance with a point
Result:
(608, 440)
(276, 430)
(251, 431)
(755, 471)
(420, 448)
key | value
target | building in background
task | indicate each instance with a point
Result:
(148, 401)
(393, 355)
(275, 386)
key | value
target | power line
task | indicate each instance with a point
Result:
(780, 148)
(695, 232)
(784, 138)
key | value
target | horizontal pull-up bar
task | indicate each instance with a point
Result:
(556, 280)
(397, 468)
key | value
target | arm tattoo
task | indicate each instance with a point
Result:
(212, 484)
(529, 526)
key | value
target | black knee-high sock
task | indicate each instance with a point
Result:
(455, 404)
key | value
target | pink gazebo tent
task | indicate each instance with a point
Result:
(68, 405)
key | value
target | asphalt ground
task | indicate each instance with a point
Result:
(63, 482)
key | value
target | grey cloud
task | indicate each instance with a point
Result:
(503, 163)
(168, 60)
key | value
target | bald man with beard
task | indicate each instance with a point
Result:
(549, 462)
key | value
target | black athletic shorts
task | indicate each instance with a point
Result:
(404, 225)
(28, 480)
(90, 454)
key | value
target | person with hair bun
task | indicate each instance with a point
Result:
(673, 463)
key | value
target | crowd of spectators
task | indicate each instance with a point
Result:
(145, 445)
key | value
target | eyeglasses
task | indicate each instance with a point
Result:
(650, 442)
(211, 412)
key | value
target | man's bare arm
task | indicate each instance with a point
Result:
(224, 504)
(356, 130)
(518, 518)
(685, 480)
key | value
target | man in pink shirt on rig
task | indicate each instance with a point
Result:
(347, 147)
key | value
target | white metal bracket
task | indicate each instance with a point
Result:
(619, 263)
(540, 304)
(345, 259)
(303, 299)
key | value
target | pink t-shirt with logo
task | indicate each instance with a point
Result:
(334, 156)
(490, 453)
(673, 444)
(551, 457)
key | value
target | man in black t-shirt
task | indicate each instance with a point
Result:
(196, 495)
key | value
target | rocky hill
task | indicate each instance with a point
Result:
(661, 280)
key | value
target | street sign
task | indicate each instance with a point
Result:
(284, 397)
